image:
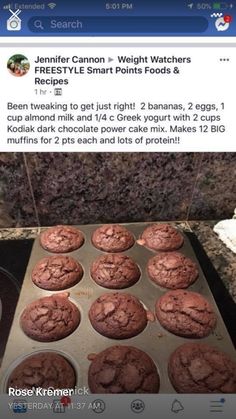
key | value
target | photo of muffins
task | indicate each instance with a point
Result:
(50, 318)
(112, 238)
(118, 315)
(115, 271)
(61, 239)
(161, 237)
(186, 314)
(55, 273)
(172, 270)
(123, 369)
(43, 370)
(200, 368)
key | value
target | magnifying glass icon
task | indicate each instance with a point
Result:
(38, 24)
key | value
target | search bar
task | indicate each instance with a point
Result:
(118, 25)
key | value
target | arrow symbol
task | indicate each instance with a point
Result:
(110, 59)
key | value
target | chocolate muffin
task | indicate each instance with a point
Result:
(123, 369)
(199, 368)
(57, 273)
(118, 316)
(172, 270)
(61, 239)
(161, 237)
(50, 318)
(112, 238)
(115, 271)
(44, 370)
(186, 314)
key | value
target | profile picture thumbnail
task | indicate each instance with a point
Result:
(18, 65)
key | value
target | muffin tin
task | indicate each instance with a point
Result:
(157, 342)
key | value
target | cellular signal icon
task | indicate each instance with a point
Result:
(52, 5)
(7, 6)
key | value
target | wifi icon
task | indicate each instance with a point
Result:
(52, 5)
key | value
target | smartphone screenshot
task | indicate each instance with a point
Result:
(117, 209)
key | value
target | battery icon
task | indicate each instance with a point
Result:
(220, 6)
(216, 6)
